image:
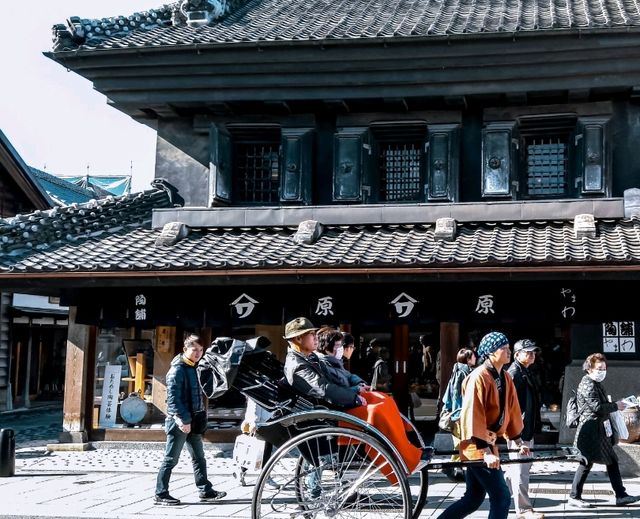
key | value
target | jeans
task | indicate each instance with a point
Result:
(482, 481)
(175, 441)
(613, 472)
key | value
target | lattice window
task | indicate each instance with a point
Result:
(256, 165)
(400, 162)
(546, 143)
(547, 166)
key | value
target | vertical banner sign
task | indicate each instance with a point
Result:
(110, 391)
(619, 337)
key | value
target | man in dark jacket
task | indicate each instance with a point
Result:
(184, 402)
(524, 352)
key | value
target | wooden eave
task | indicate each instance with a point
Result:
(138, 79)
(19, 173)
(49, 283)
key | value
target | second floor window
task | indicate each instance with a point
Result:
(256, 160)
(400, 162)
(545, 154)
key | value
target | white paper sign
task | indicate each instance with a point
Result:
(110, 392)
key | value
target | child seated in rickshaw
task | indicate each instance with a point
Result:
(307, 374)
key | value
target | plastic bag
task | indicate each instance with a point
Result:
(617, 422)
(247, 452)
(416, 401)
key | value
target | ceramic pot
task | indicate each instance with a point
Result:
(632, 420)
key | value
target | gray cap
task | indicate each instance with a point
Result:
(526, 345)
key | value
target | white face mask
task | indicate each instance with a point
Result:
(598, 376)
(338, 352)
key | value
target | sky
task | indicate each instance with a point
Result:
(53, 118)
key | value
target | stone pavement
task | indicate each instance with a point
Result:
(116, 481)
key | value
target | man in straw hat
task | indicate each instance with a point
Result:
(489, 409)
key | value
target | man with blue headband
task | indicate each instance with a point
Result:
(490, 409)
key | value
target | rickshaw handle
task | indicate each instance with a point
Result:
(480, 463)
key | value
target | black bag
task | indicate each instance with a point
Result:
(573, 413)
(199, 422)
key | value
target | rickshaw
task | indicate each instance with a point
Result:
(328, 463)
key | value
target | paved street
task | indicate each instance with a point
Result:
(117, 481)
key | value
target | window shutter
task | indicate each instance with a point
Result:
(220, 167)
(443, 162)
(498, 160)
(592, 155)
(297, 165)
(350, 168)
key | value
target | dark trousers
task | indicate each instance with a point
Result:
(613, 471)
(482, 481)
(176, 440)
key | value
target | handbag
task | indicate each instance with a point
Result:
(247, 452)
(445, 422)
(573, 412)
(199, 422)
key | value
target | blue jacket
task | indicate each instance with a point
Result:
(452, 398)
(183, 391)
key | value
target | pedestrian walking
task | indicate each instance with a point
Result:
(594, 435)
(518, 474)
(184, 405)
(452, 401)
(489, 409)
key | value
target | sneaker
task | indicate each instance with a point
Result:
(578, 503)
(166, 500)
(212, 495)
(530, 514)
(271, 483)
(626, 500)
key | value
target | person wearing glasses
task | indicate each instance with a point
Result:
(524, 352)
(331, 351)
(594, 435)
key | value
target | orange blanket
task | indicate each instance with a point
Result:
(382, 412)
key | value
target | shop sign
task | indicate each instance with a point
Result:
(324, 306)
(110, 391)
(403, 304)
(618, 337)
(140, 310)
(244, 306)
(568, 303)
(484, 304)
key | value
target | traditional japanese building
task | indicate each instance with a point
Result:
(396, 168)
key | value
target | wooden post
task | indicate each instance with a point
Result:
(27, 374)
(77, 369)
(400, 386)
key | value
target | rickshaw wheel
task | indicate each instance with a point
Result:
(418, 485)
(345, 473)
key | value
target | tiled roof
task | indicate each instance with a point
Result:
(53, 240)
(312, 20)
(61, 191)
(114, 235)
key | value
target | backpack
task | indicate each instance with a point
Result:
(573, 412)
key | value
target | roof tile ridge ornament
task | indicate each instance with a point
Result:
(445, 229)
(203, 12)
(584, 226)
(172, 233)
(308, 232)
(91, 32)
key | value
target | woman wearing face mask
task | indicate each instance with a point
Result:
(594, 438)
(330, 352)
